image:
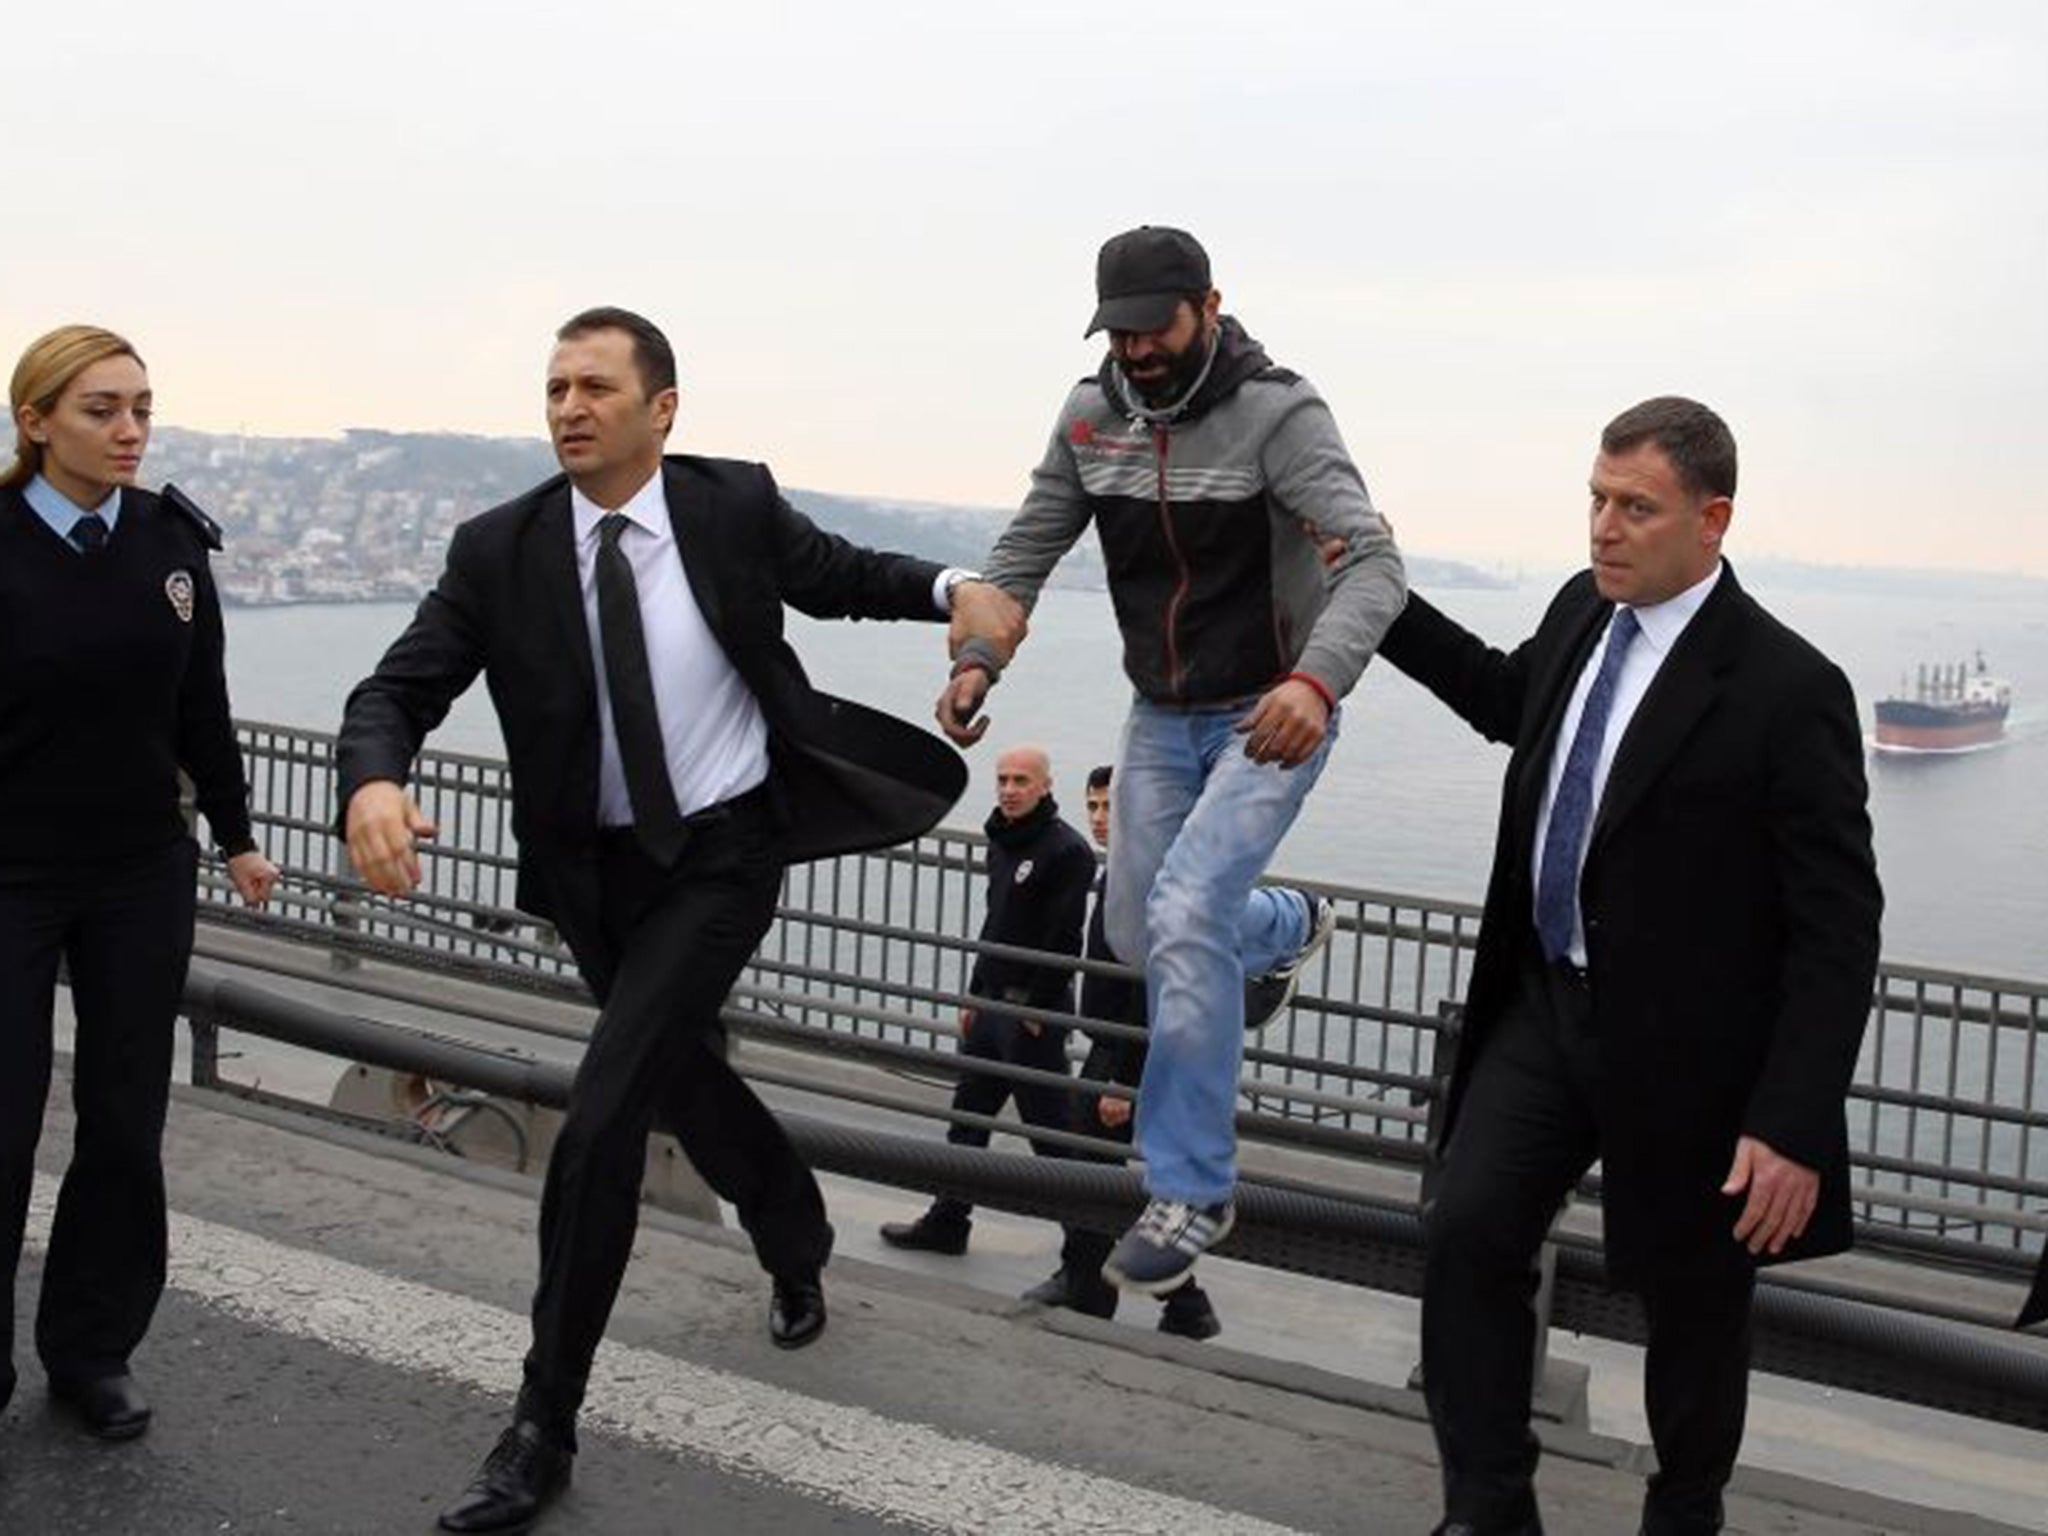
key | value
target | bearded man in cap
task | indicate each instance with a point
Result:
(1201, 463)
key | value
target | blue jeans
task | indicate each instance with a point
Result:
(1192, 823)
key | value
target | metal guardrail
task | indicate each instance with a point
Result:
(1805, 1328)
(1948, 1113)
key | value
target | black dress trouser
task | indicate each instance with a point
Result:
(1005, 1038)
(1083, 1251)
(667, 948)
(124, 928)
(1525, 1133)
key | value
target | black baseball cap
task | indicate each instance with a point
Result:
(1142, 274)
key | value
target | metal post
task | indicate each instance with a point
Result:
(205, 1049)
(347, 918)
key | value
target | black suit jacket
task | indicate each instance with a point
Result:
(1729, 896)
(508, 605)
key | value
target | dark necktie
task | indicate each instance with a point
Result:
(1557, 877)
(656, 820)
(89, 533)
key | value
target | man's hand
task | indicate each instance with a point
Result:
(1113, 1112)
(984, 611)
(253, 877)
(1329, 550)
(383, 826)
(1286, 725)
(959, 705)
(1782, 1195)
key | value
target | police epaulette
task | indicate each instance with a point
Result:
(187, 508)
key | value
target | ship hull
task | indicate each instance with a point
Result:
(1923, 730)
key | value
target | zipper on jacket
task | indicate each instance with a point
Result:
(1180, 565)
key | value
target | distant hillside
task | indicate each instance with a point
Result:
(1882, 581)
(367, 516)
(962, 535)
(1427, 571)
(949, 534)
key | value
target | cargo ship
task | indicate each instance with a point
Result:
(1946, 709)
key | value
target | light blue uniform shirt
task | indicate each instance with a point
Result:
(62, 513)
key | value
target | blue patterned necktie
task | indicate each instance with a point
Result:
(1557, 879)
(89, 534)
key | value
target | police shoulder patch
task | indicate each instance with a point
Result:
(207, 529)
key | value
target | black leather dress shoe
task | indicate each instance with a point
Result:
(1092, 1295)
(925, 1236)
(526, 1469)
(796, 1310)
(1189, 1313)
(1463, 1528)
(110, 1407)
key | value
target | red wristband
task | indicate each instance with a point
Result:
(1329, 699)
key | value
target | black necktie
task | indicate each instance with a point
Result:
(89, 533)
(656, 820)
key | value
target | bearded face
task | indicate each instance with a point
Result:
(1163, 365)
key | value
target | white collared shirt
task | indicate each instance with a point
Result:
(63, 514)
(1662, 624)
(711, 725)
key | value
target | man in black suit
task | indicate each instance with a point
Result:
(1674, 972)
(668, 760)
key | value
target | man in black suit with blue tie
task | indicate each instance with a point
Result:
(669, 758)
(1674, 972)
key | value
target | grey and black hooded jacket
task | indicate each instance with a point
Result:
(1212, 513)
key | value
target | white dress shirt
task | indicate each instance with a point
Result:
(712, 728)
(711, 724)
(1662, 624)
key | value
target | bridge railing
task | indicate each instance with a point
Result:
(1948, 1113)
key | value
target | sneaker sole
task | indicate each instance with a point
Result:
(1172, 1282)
(1322, 926)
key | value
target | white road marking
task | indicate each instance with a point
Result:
(859, 1460)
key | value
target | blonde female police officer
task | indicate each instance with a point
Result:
(110, 683)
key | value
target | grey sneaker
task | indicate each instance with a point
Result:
(1157, 1253)
(1266, 997)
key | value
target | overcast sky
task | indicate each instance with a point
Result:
(870, 229)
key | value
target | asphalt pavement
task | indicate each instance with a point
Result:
(345, 1319)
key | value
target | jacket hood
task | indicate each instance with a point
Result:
(1237, 357)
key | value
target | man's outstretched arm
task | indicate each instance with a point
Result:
(1044, 529)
